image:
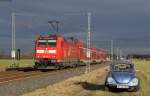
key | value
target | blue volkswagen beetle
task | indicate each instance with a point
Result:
(122, 75)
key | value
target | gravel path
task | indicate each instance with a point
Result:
(21, 86)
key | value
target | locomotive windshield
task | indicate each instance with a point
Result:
(45, 42)
(52, 43)
(42, 42)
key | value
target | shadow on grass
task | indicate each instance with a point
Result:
(28, 69)
(99, 87)
(21, 69)
(91, 86)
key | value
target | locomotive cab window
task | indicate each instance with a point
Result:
(52, 43)
(42, 42)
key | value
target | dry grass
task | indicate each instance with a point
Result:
(5, 63)
(144, 71)
(69, 87)
(72, 86)
(143, 68)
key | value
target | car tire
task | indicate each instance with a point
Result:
(106, 88)
(135, 89)
(131, 89)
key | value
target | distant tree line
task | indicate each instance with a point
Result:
(4, 55)
(138, 56)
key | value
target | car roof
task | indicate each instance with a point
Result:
(122, 62)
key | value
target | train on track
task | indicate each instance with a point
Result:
(56, 51)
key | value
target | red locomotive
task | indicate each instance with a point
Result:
(57, 51)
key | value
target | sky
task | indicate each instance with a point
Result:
(126, 22)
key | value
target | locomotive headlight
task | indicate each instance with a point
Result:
(39, 51)
(52, 51)
(110, 80)
(134, 82)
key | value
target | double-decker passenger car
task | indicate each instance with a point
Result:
(57, 51)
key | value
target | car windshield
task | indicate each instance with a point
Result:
(122, 67)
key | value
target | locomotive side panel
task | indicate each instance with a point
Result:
(70, 56)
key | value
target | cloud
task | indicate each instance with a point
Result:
(125, 21)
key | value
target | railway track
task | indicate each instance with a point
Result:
(14, 84)
(7, 76)
(17, 75)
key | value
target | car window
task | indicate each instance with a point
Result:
(122, 67)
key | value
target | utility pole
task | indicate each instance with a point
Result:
(117, 53)
(88, 51)
(112, 53)
(13, 50)
(13, 32)
(120, 54)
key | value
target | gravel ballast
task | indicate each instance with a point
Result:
(22, 86)
(75, 86)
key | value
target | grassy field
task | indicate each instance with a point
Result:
(143, 70)
(144, 73)
(91, 88)
(142, 67)
(5, 63)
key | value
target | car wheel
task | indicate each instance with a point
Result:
(131, 89)
(135, 89)
(106, 88)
